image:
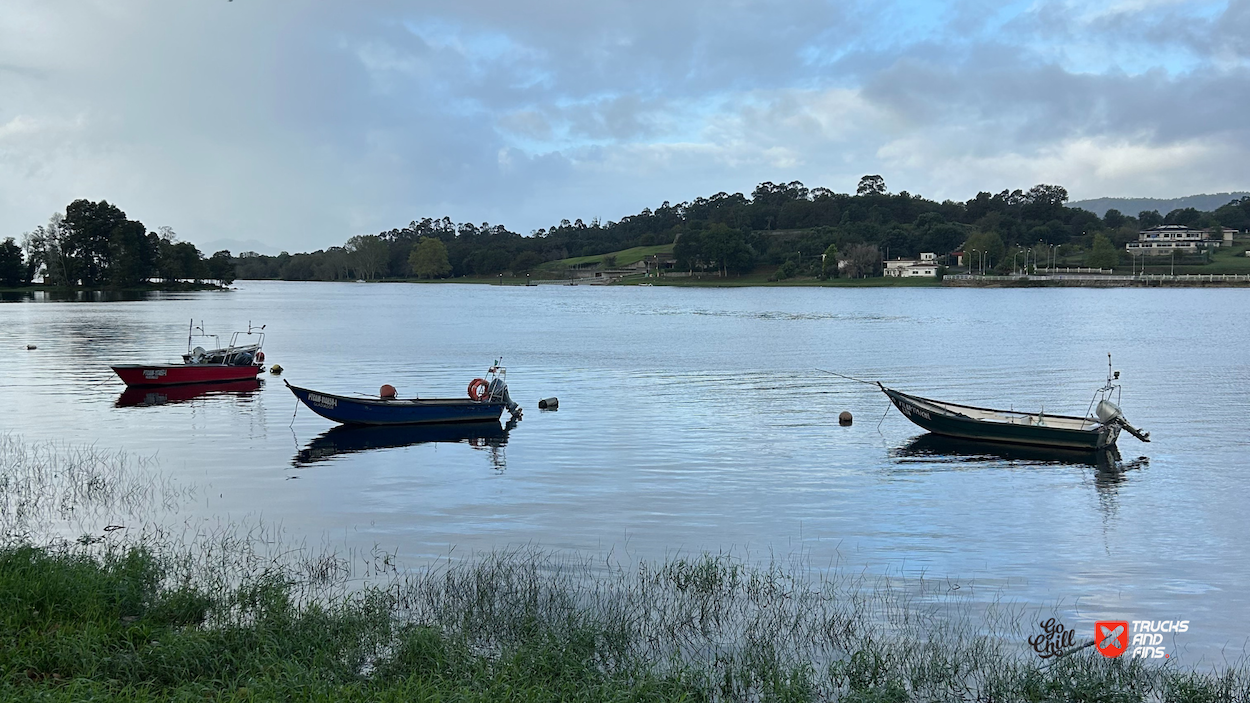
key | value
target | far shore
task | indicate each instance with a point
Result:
(761, 280)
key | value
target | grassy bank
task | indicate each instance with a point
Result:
(762, 279)
(111, 628)
(125, 625)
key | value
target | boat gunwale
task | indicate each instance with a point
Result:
(392, 402)
(184, 366)
(943, 404)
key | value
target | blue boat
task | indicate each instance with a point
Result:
(487, 400)
(378, 411)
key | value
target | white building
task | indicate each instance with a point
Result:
(1165, 239)
(926, 265)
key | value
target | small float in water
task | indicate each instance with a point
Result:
(239, 360)
(488, 398)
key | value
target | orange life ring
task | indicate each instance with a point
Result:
(477, 388)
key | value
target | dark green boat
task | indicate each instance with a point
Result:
(1098, 431)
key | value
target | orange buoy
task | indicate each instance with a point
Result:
(387, 392)
(477, 389)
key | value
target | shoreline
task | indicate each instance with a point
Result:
(162, 288)
(754, 281)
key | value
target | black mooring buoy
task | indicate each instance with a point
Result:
(549, 404)
(844, 418)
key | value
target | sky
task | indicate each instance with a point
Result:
(295, 125)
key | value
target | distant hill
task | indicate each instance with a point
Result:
(1131, 206)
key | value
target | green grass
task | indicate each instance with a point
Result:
(624, 257)
(122, 626)
(1223, 260)
(74, 627)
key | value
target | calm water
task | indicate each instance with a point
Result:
(695, 420)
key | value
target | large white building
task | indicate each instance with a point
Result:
(926, 265)
(1165, 239)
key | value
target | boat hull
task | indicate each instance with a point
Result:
(951, 425)
(370, 411)
(178, 374)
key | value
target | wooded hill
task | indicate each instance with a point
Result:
(788, 226)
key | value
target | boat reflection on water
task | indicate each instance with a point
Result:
(143, 396)
(1109, 467)
(347, 439)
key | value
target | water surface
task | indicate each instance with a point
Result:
(695, 419)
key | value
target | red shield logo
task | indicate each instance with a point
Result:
(1111, 637)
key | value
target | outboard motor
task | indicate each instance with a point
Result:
(497, 389)
(1108, 412)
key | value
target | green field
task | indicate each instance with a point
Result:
(624, 257)
(1223, 260)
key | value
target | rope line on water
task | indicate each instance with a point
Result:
(849, 378)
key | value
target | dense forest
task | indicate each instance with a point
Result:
(787, 226)
(95, 245)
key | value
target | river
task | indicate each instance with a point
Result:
(695, 419)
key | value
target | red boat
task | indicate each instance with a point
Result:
(242, 359)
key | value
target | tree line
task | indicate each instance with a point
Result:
(793, 229)
(94, 244)
(788, 226)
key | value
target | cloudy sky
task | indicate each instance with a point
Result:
(299, 124)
